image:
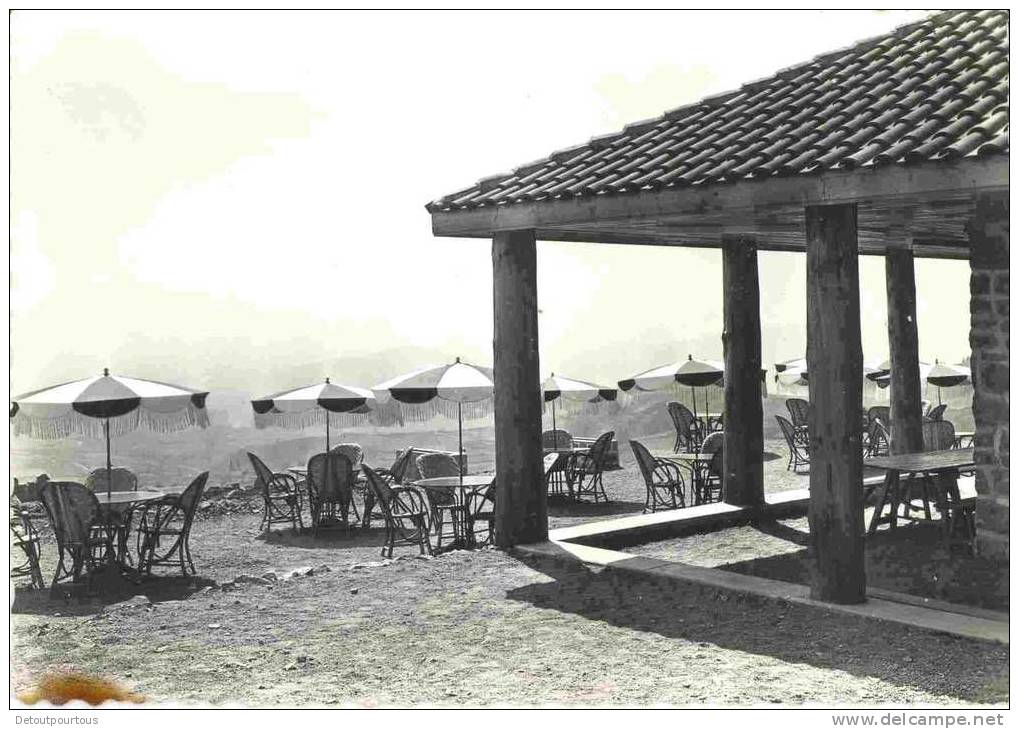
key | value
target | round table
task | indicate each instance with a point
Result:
(460, 487)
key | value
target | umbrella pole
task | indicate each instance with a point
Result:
(109, 467)
(460, 431)
(327, 431)
(939, 394)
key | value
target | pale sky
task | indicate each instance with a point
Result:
(210, 198)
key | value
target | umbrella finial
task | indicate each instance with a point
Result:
(458, 360)
(689, 358)
(106, 371)
(327, 380)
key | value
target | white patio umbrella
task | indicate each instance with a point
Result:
(98, 406)
(313, 404)
(947, 375)
(460, 383)
(689, 373)
(567, 391)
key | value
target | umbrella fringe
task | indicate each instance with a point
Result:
(447, 408)
(308, 418)
(75, 423)
(566, 406)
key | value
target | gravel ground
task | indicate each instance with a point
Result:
(475, 628)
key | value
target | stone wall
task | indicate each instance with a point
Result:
(989, 342)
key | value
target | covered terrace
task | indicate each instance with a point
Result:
(896, 147)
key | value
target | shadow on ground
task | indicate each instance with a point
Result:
(76, 598)
(911, 559)
(793, 633)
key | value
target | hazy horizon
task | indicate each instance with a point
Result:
(254, 220)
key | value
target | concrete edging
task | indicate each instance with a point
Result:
(585, 544)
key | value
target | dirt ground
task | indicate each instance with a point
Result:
(474, 628)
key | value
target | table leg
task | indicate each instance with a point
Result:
(890, 486)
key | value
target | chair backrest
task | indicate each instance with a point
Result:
(600, 448)
(938, 435)
(681, 416)
(433, 465)
(788, 432)
(383, 494)
(122, 480)
(72, 510)
(557, 438)
(645, 461)
(353, 451)
(331, 476)
(263, 475)
(714, 442)
(937, 412)
(880, 412)
(192, 496)
(799, 411)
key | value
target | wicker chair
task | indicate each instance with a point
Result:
(119, 520)
(713, 473)
(937, 412)
(878, 418)
(688, 428)
(352, 451)
(481, 510)
(556, 482)
(121, 478)
(799, 412)
(584, 470)
(82, 538)
(438, 465)
(798, 443)
(25, 537)
(405, 512)
(280, 495)
(330, 486)
(164, 529)
(557, 439)
(938, 435)
(666, 487)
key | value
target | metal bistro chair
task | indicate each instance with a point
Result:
(405, 511)
(712, 474)
(584, 470)
(799, 412)
(663, 479)
(556, 482)
(878, 417)
(25, 537)
(330, 485)
(688, 428)
(442, 502)
(76, 518)
(798, 443)
(280, 495)
(164, 528)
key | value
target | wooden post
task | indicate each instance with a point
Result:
(835, 364)
(743, 416)
(521, 503)
(904, 388)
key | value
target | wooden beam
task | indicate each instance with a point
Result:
(743, 416)
(835, 363)
(892, 182)
(521, 508)
(903, 346)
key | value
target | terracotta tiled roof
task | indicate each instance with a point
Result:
(933, 90)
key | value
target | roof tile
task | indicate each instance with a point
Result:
(933, 90)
